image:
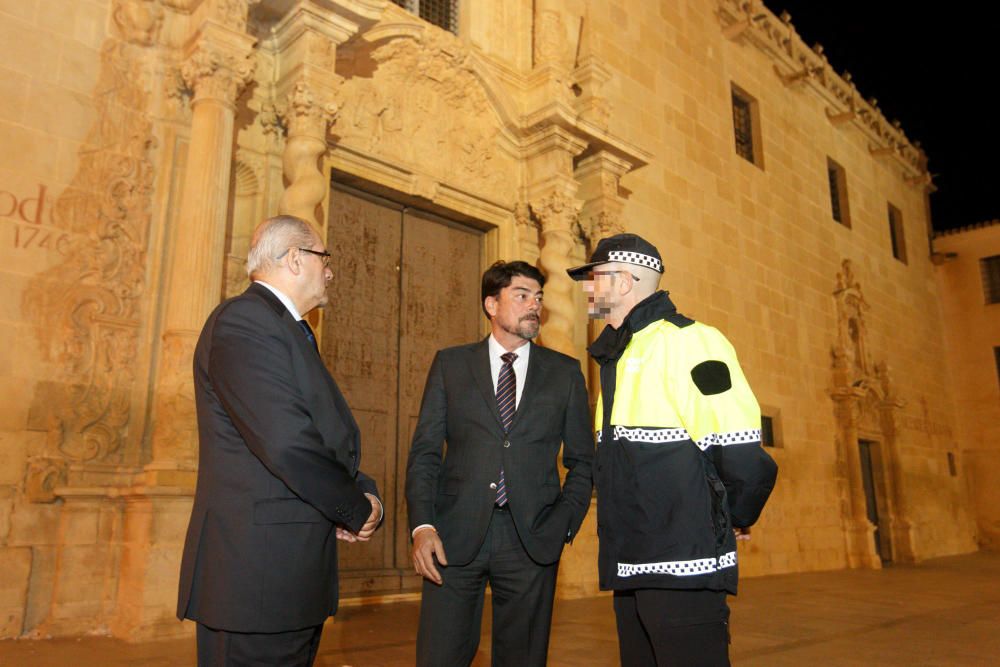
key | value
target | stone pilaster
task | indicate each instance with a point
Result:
(218, 63)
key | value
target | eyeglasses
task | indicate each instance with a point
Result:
(325, 255)
(606, 273)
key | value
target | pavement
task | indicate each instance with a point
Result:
(943, 612)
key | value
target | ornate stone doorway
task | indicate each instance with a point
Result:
(406, 283)
(874, 510)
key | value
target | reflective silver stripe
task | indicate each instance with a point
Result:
(679, 568)
(731, 438)
(651, 434)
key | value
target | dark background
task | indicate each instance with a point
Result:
(935, 71)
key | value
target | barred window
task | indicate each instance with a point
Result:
(990, 269)
(442, 13)
(896, 237)
(746, 127)
(838, 193)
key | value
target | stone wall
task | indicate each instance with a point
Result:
(972, 333)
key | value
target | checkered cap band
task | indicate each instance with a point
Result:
(637, 258)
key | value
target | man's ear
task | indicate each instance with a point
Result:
(293, 260)
(490, 303)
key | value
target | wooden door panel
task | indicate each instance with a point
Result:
(360, 331)
(439, 308)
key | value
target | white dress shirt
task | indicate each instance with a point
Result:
(520, 371)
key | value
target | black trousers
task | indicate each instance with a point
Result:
(451, 614)
(672, 628)
(221, 648)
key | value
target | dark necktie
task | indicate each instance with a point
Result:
(307, 330)
(506, 404)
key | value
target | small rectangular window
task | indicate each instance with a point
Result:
(990, 269)
(896, 236)
(952, 468)
(746, 127)
(996, 357)
(442, 13)
(838, 193)
(766, 431)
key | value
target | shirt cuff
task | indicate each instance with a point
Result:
(421, 527)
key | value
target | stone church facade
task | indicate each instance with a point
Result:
(144, 139)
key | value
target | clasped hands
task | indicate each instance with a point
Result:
(367, 530)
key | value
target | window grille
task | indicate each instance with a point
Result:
(990, 269)
(746, 127)
(442, 13)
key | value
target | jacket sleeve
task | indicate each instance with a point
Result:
(250, 371)
(722, 417)
(578, 454)
(424, 463)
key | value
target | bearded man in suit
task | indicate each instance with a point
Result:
(491, 509)
(278, 475)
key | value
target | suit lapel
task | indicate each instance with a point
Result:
(479, 361)
(534, 383)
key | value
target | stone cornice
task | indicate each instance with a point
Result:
(967, 228)
(797, 64)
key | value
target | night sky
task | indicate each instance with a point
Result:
(935, 71)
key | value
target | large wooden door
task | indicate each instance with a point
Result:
(405, 284)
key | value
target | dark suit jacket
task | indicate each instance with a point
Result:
(453, 492)
(278, 468)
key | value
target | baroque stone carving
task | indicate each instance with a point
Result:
(89, 308)
(138, 20)
(215, 73)
(424, 105)
(43, 476)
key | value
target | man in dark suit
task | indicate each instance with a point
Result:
(491, 509)
(278, 472)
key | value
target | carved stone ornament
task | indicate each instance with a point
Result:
(88, 309)
(852, 334)
(424, 106)
(218, 74)
(306, 112)
(603, 225)
(556, 211)
(138, 20)
(42, 477)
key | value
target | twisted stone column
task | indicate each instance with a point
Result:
(307, 116)
(557, 216)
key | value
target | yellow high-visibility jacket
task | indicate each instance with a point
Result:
(679, 461)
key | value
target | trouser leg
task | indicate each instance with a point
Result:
(523, 593)
(634, 646)
(451, 614)
(686, 628)
(221, 648)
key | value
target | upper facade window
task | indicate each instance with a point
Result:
(896, 237)
(990, 268)
(746, 127)
(838, 193)
(442, 13)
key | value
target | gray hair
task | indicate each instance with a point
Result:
(272, 239)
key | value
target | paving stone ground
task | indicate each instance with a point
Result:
(940, 612)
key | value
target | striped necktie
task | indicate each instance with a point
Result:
(506, 404)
